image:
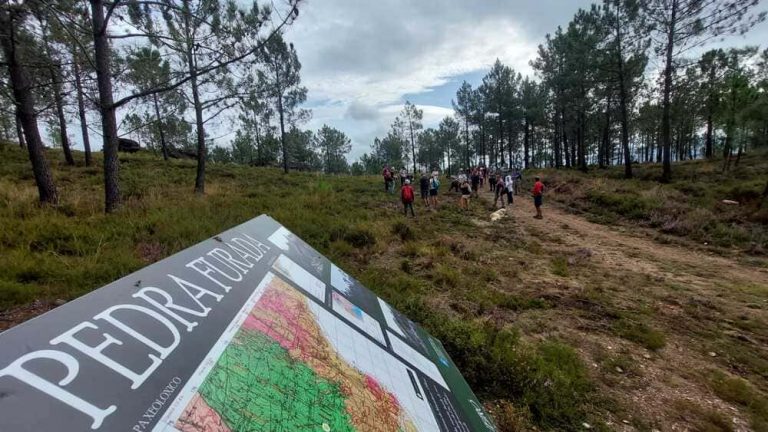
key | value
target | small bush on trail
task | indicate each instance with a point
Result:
(640, 333)
(360, 238)
(740, 392)
(403, 230)
(547, 377)
(560, 266)
(705, 420)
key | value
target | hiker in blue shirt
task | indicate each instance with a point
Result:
(434, 186)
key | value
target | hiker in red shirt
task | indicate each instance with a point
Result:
(406, 194)
(538, 196)
(388, 180)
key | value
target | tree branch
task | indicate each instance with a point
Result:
(205, 70)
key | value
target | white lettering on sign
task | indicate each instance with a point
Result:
(97, 353)
(164, 310)
(208, 270)
(17, 371)
(161, 350)
(228, 260)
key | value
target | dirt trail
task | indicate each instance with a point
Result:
(633, 249)
(674, 282)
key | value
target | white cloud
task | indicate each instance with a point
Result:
(359, 59)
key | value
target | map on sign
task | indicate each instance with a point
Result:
(261, 333)
(320, 370)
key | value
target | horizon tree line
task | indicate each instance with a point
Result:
(596, 100)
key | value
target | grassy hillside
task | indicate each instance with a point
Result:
(691, 206)
(551, 329)
(52, 254)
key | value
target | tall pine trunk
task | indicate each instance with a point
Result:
(106, 107)
(466, 137)
(54, 71)
(19, 130)
(603, 157)
(666, 135)
(282, 127)
(25, 108)
(623, 99)
(526, 142)
(582, 144)
(413, 145)
(198, 106)
(58, 99)
(159, 125)
(81, 108)
(708, 150)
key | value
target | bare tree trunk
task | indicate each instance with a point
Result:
(81, 108)
(526, 142)
(466, 137)
(483, 146)
(560, 131)
(413, 145)
(740, 152)
(19, 130)
(623, 100)
(199, 124)
(159, 125)
(603, 155)
(566, 146)
(282, 127)
(666, 138)
(106, 107)
(625, 128)
(582, 144)
(58, 99)
(708, 152)
(258, 145)
(25, 109)
(58, 95)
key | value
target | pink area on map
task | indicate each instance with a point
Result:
(287, 310)
(199, 417)
(381, 393)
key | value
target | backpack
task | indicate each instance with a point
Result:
(434, 183)
(407, 194)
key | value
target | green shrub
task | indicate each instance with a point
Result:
(360, 238)
(640, 333)
(547, 377)
(403, 230)
(740, 392)
(560, 266)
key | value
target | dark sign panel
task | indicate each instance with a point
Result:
(250, 330)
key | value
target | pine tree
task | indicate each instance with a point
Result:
(12, 37)
(412, 117)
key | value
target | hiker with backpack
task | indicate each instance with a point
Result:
(406, 194)
(499, 188)
(424, 188)
(434, 186)
(388, 180)
(538, 196)
(492, 182)
(475, 181)
(466, 194)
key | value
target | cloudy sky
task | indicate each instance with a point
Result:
(362, 59)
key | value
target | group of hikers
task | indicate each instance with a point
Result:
(468, 183)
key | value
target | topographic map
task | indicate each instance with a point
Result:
(291, 365)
